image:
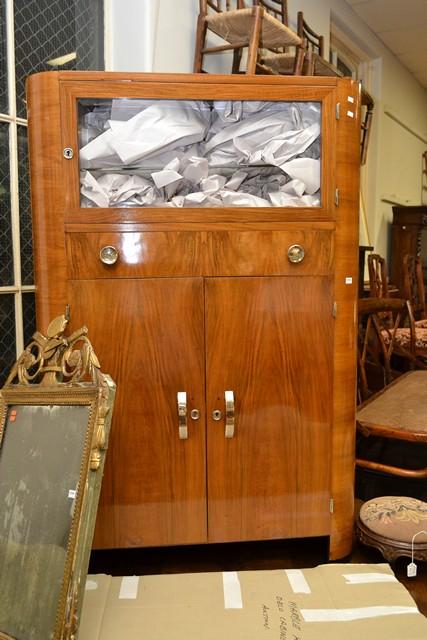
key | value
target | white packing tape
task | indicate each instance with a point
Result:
(357, 613)
(297, 581)
(232, 590)
(129, 588)
(364, 578)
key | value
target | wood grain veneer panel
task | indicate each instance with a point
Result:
(148, 334)
(192, 253)
(177, 79)
(346, 287)
(266, 252)
(182, 216)
(217, 225)
(147, 254)
(47, 190)
(270, 340)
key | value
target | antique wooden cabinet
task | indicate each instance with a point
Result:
(205, 229)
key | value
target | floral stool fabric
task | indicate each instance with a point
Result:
(390, 522)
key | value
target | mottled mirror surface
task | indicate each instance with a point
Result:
(40, 464)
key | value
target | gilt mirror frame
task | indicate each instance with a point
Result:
(55, 414)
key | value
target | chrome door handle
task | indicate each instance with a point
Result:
(182, 415)
(229, 414)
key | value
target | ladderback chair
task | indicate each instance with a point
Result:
(313, 47)
(314, 44)
(414, 288)
(381, 320)
(378, 279)
(263, 25)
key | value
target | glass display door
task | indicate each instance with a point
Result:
(199, 153)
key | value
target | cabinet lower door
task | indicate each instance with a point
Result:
(270, 341)
(148, 335)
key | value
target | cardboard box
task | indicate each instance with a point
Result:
(329, 602)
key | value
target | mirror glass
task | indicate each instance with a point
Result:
(40, 460)
(55, 416)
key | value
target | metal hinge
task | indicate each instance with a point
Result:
(337, 197)
(337, 110)
(331, 505)
(334, 310)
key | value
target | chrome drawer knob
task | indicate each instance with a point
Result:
(296, 253)
(109, 255)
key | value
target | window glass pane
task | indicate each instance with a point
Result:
(55, 34)
(198, 153)
(29, 316)
(6, 257)
(7, 335)
(3, 60)
(24, 209)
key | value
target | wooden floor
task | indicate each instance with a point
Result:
(246, 556)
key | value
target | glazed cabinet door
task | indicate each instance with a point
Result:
(148, 334)
(269, 340)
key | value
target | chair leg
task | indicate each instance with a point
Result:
(309, 63)
(299, 61)
(200, 43)
(237, 58)
(257, 14)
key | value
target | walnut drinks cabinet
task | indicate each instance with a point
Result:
(205, 229)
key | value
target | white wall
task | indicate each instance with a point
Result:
(158, 35)
(151, 35)
(394, 168)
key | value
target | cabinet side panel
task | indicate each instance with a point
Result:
(346, 260)
(46, 181)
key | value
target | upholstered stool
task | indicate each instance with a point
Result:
(389, 524)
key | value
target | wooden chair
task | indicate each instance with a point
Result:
(313, 47)
(414, 288)
(380, 287)
(260, 26)
(378, 279)
(398, 411)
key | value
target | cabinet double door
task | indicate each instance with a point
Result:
(259, 472)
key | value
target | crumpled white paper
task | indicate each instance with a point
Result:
(200, 154)
(162, 126)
